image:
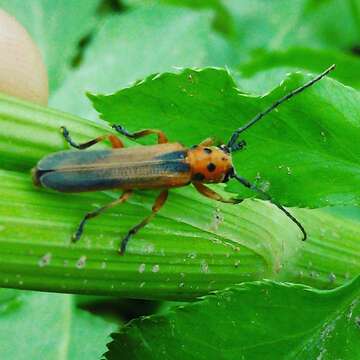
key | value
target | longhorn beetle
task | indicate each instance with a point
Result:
(162, 166)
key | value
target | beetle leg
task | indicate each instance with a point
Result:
(124, 196)
(207, 142)
(159, 202)
(238, 146)
(204, 190)
(162, 139)
(115, 141)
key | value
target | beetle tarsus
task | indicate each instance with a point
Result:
(132, 232)
(75, 237)
(66, 135)
(124, 242)
(77, 234)
(122, 131)
(64, 131)
(239, 146)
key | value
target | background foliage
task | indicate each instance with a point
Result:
(306, 155)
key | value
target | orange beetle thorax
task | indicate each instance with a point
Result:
(209, 164)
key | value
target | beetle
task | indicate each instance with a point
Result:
(162, 166)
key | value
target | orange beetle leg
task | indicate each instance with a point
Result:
(204, 190)
(207, 142)
(115, 141)
(162, 139)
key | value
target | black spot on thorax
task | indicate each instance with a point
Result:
(198, 177)
(211, 167)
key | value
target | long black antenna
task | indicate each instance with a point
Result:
(251, 186)
(294, 92)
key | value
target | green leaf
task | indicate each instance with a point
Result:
(250, 321)
(265, 70)
(49, 326)
(127, 48)
(348, 212)
(312, 136)
(56, 27)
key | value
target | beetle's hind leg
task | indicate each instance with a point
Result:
(77, 235)
(115, 141)
(162, 139)
(159, 202)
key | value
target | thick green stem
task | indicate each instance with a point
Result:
(332, 254)
(166, 260)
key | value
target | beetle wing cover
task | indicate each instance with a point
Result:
(145, 167)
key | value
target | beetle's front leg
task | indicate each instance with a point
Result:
(207, 142)
(204, 190)
(238, 146)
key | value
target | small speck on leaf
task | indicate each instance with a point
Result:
(81, 262)
(45, 260)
